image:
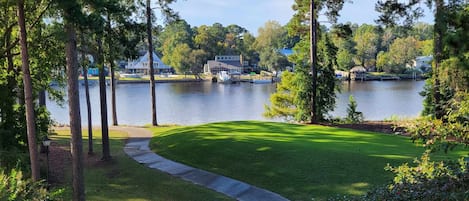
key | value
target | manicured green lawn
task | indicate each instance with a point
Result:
(300, 162)
(125, 179)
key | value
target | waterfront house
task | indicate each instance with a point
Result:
(358, 73)
(232, 64)
(423, 63)
(141, 66)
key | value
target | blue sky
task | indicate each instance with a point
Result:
(252, 14)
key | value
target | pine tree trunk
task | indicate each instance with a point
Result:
(313, 51)
(150, 63)
(28, 92)
(102, 97)
(113, 78)
(87, 97)
(438, 45)
(75, 117)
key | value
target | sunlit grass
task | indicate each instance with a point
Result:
(300, 162)
(125, 179)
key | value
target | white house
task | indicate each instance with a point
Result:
(141, 65)
(423, 63)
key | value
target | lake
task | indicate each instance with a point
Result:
(203, 102)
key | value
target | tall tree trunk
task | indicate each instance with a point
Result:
(74, 107)
(113, 79)
(102, 97)
(438, 45)
(313, 52)
(87, 96)
(28, 92)
(12, 83)
(150, 63)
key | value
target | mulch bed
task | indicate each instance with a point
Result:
(375, 126)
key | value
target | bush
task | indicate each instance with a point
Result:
(353, 116)
(14, 186)
(429, 180)
(444, 133)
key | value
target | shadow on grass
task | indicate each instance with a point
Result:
(299, 162)
(124, 179)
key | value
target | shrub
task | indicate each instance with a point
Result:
(353, 116)
(14, 186)
(444, 133)
(429, 180)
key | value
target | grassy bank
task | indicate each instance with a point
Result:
(300, 162)
(123, 178)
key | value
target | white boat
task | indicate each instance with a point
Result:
(129, 75)
(224, 77)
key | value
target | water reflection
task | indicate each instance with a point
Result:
(195, 103)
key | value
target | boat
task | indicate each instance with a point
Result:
(224, 77)
(130, 75)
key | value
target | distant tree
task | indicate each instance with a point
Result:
(403, 52)
(196, 61)
(247, 48)
(384, 62)
(270, 36)
(210, 39)
(179, 58)
(233, 39)
(176, 45)
(268, 43)
(342, 36)
(422, 31)
(426, 47)
(366, 39)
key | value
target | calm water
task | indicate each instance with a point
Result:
(196, 103)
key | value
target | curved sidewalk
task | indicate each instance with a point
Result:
(137, 147)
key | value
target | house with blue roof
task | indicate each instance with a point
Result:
(141, 66)
(286, 51)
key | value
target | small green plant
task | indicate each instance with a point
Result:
(353, 116)
(429, 180)
(14, 186)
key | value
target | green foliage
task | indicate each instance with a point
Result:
(366, 39)
(428, 180)
(14, 187)
(444, 134)
(282, 101)
(402, 53)
(353, 116)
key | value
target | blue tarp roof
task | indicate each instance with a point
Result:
(286, 51)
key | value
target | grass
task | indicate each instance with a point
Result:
(125, 179)
(300, 162)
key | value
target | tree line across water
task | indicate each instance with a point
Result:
(51, 40)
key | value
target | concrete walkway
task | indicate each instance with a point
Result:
(137, 147)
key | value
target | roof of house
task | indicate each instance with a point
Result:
(358, 69)
(145, 58)
(224, 64)
(286, 51)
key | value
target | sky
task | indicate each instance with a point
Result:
(252, 14)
